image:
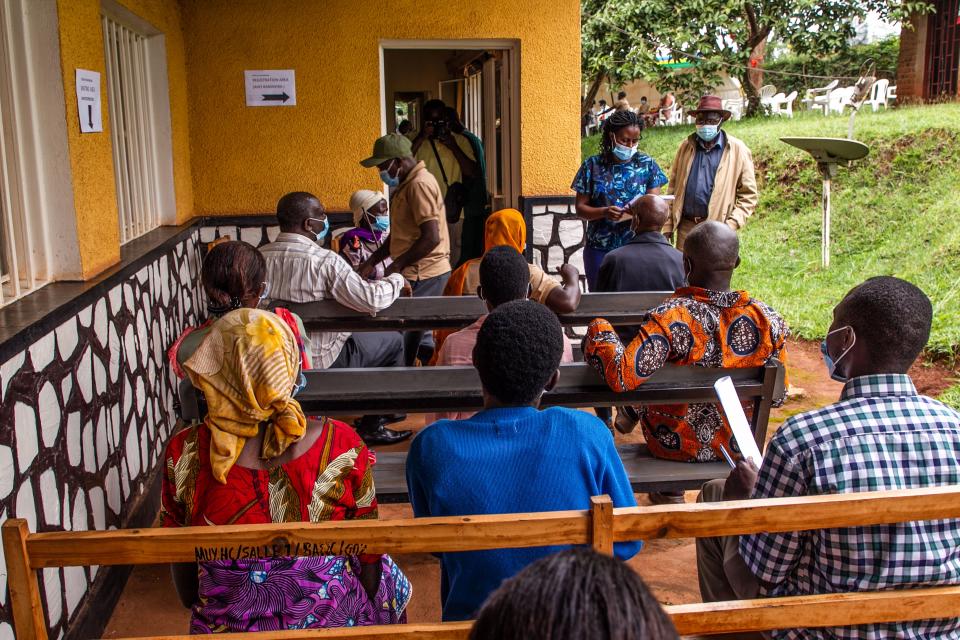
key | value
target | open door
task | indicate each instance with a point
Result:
(477, 79)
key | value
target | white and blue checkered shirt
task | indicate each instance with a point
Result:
(881, 435)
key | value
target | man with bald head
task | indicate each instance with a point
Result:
(648, 262)
(704, 323)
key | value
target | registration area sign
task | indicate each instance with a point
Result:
(270, 88)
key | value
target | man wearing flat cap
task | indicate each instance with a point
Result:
(711, 176)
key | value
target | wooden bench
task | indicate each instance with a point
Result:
(430, 389)
(600, 527)
(456, 312)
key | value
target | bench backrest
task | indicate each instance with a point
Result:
(600, 527)
(455, 312)
(432, 389)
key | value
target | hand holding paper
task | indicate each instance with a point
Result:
(737, 419)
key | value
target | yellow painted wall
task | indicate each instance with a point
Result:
(244, 158)
(91, 159)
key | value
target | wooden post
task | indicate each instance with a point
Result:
(28, 619)
(601, 524)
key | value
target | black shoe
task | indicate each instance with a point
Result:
(371, 422)
(382, 434)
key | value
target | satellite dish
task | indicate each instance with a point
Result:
(829, 153)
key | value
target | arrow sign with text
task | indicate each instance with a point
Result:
(270, 88)
(88, 101)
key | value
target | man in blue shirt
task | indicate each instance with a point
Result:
(511, 457)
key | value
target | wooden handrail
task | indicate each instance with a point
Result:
(711, 618)
(600, 526)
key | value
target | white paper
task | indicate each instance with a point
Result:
(88, 101)
(737, 419)
(270, 88)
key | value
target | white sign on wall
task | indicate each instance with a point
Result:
(271, 88)
(88, 101)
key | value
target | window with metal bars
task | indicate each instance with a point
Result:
(131, 129)
(21, 255)
(943, 50)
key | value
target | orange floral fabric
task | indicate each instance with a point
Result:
(694, 327)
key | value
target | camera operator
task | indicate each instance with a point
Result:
(449, 157)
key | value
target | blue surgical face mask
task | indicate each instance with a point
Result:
(323, 232)
(708, 132)
(381, 223)
(299, 385)
(623, 152)
(388, 179)
(830, 362)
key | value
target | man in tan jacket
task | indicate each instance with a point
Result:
(711, 176)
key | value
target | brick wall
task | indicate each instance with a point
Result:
(910, 67)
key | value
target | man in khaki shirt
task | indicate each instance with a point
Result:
(418, 243)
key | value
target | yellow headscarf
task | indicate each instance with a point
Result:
(246, 368)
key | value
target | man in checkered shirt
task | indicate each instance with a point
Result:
(881, 435)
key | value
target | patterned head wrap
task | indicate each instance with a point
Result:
(361, 201)
(246, 368)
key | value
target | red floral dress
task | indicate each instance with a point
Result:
(247, 589)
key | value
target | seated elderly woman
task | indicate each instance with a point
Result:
(371, 217)
(233, 275)
(256, 459)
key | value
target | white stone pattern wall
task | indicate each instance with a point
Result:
(559, 237)
(87, 410)
(255, 235)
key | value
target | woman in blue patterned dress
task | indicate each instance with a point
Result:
(607, 182)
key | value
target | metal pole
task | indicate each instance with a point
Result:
(825, 238)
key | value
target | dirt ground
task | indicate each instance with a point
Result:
(149, 605)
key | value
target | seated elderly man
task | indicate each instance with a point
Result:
(704, 324)
(300, 270)
(880, 435)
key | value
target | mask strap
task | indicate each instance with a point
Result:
(847, 350)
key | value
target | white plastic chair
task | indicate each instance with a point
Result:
(892, 94)
(671, 119)
(774, 102)
(818, 98)
(735, 106)
(767, 93)
(783, 105)
(878, 94)
(840, 98)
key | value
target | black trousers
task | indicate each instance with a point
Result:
(371, 349)
(414, 341)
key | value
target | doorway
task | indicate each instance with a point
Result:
(478, 78)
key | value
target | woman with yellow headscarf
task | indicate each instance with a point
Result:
(256, 459)
(508, 227)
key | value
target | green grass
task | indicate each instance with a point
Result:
(897, 212)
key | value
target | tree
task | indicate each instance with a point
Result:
(621, 39)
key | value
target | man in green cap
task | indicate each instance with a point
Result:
(418, 243)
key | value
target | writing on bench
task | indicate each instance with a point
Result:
(279, 549)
